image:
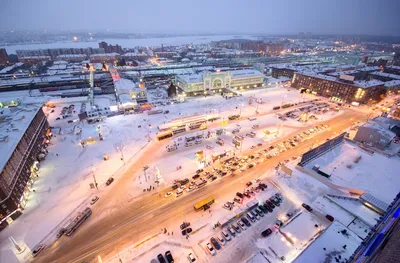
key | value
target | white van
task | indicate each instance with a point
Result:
(179, 192)
(251, 217)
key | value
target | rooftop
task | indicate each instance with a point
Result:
(388, 75)
(246, 73)
(381, 129)
(105, 55)
(13, 124)
(192, 78)
(329, 245)
(374, 173)
(347, 72)
(374, 68)
(392, 83)
(72, 56)
(358, 83)
(368, 83)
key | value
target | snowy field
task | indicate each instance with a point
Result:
(375, 173)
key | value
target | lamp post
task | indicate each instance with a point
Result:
(94, 178)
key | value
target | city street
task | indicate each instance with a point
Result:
(117, 221)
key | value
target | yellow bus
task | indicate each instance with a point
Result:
(204, 204)
(165, 135)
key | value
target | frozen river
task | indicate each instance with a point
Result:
(130, 43)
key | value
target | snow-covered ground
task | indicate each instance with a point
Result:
(292, 238)
(374, 173)
(63, 187)
(329, 245)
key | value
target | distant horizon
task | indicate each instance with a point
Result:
(80, 31)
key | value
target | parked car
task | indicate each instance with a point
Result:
(259, 212)
(275, 201)
(169, 257)
(191, 258)
(221, 240)
(237, 200)
(255, 215)
(215, 243)
(266, 232)
(330, 218)
(186, 231)
(36, 250)
(94, 200)
(270, 204)
(185, 225)
(239, 194)
(175, 186)
(226, 236)
(211, 249)
(194, 177)
(245, 221)
(61, 232)
(169, 194)
(109, 181)
(231, 231)
(161, 258)
(241, 224)
(262, 208)
(236, 228)
(307, 207)
(268, 207)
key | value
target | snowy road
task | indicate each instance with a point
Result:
(130, 222)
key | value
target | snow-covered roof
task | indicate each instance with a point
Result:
(393, 67)
(358, 83)
(373, 68)
(378, 127)
(320, 76)
(133, 54)
(375, 173)
(392, 83)
(60, 77)
(13, 124)
(376, 202)
(244, 73)
(346, 72)
(191, 78)
(71, 56)
(368, 83)
(388, 75)
(35, 57)
(105, 55)
(9, 68)
(330, 244)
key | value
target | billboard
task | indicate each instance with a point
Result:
(314, 153)
(346, 77)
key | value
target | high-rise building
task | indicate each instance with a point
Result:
(110, 48)
(4, 60)
(24, 135)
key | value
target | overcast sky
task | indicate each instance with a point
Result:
(376, 17)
